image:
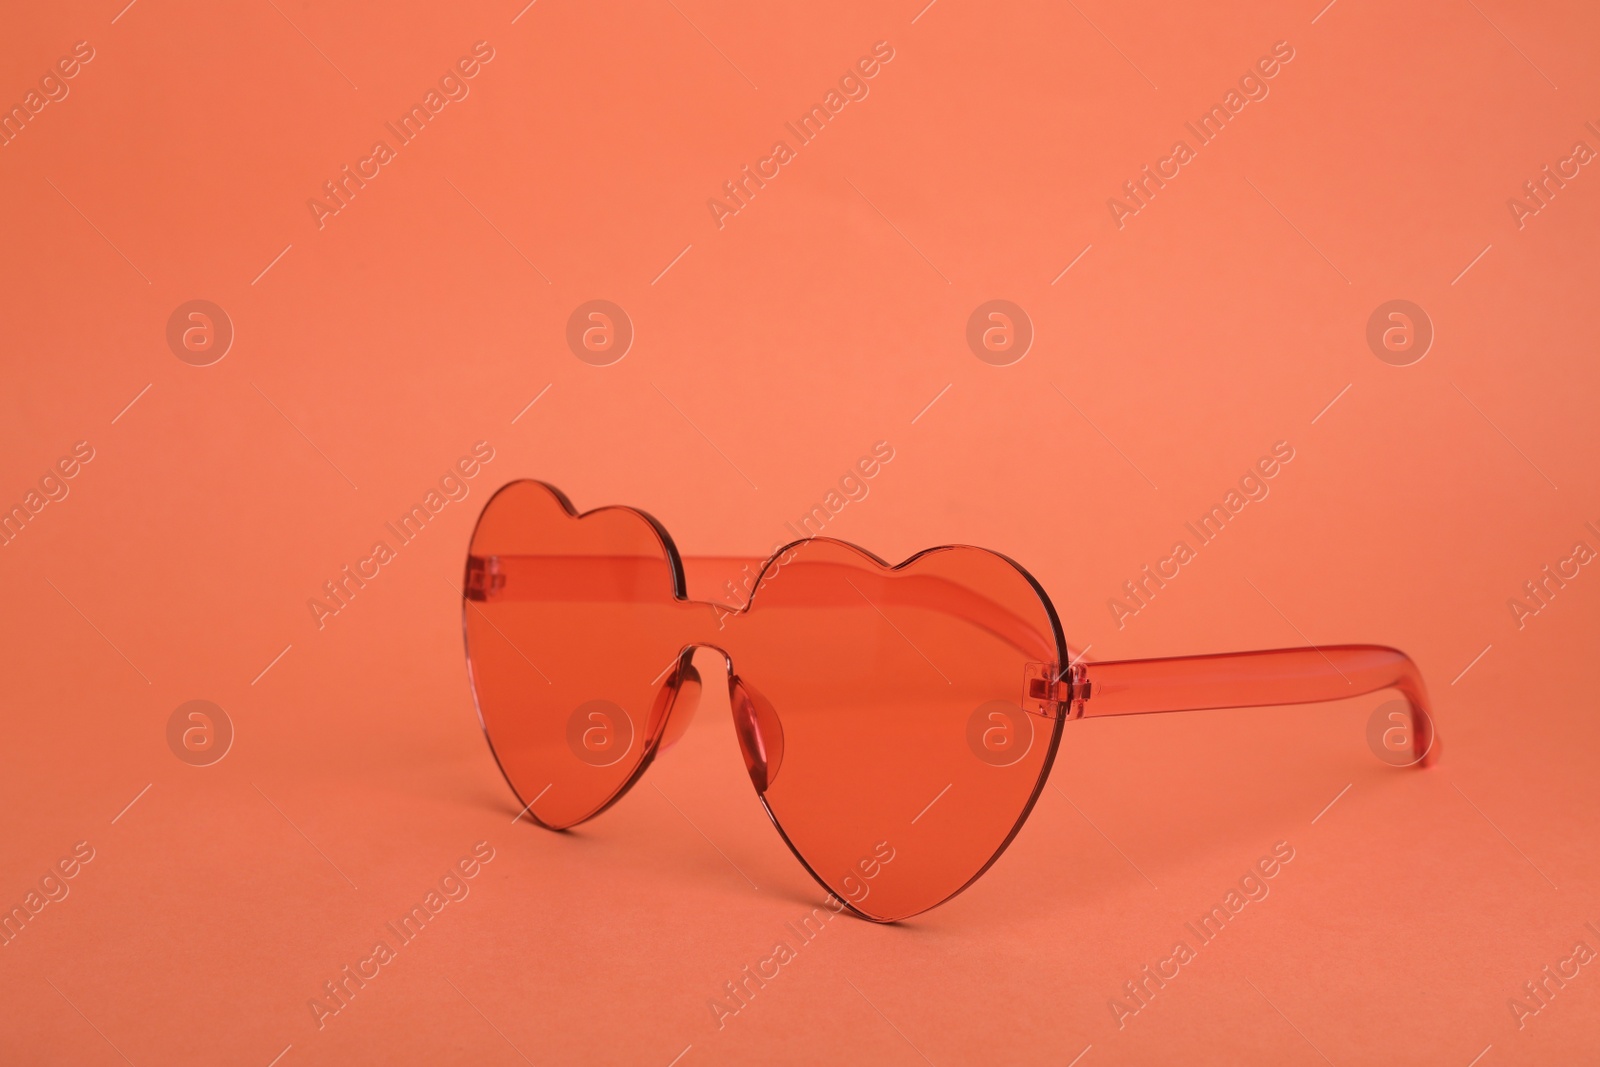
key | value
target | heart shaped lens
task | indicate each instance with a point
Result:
(886, 716)
(573, 645)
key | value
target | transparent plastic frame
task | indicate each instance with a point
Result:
(898, 722)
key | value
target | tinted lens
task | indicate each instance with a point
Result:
(571, 645)
(886, 718)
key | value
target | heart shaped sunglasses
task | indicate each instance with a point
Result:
(898, 722)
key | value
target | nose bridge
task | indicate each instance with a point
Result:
(714, 647)
(712, 627)
(716, 629)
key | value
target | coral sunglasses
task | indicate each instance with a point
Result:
(898, 722)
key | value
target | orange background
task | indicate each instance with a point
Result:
(823, 317)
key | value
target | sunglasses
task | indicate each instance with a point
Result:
(898, 722)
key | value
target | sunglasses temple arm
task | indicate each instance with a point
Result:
(1255, 679)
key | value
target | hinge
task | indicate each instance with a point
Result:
(1057, 697)
(483, 577)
